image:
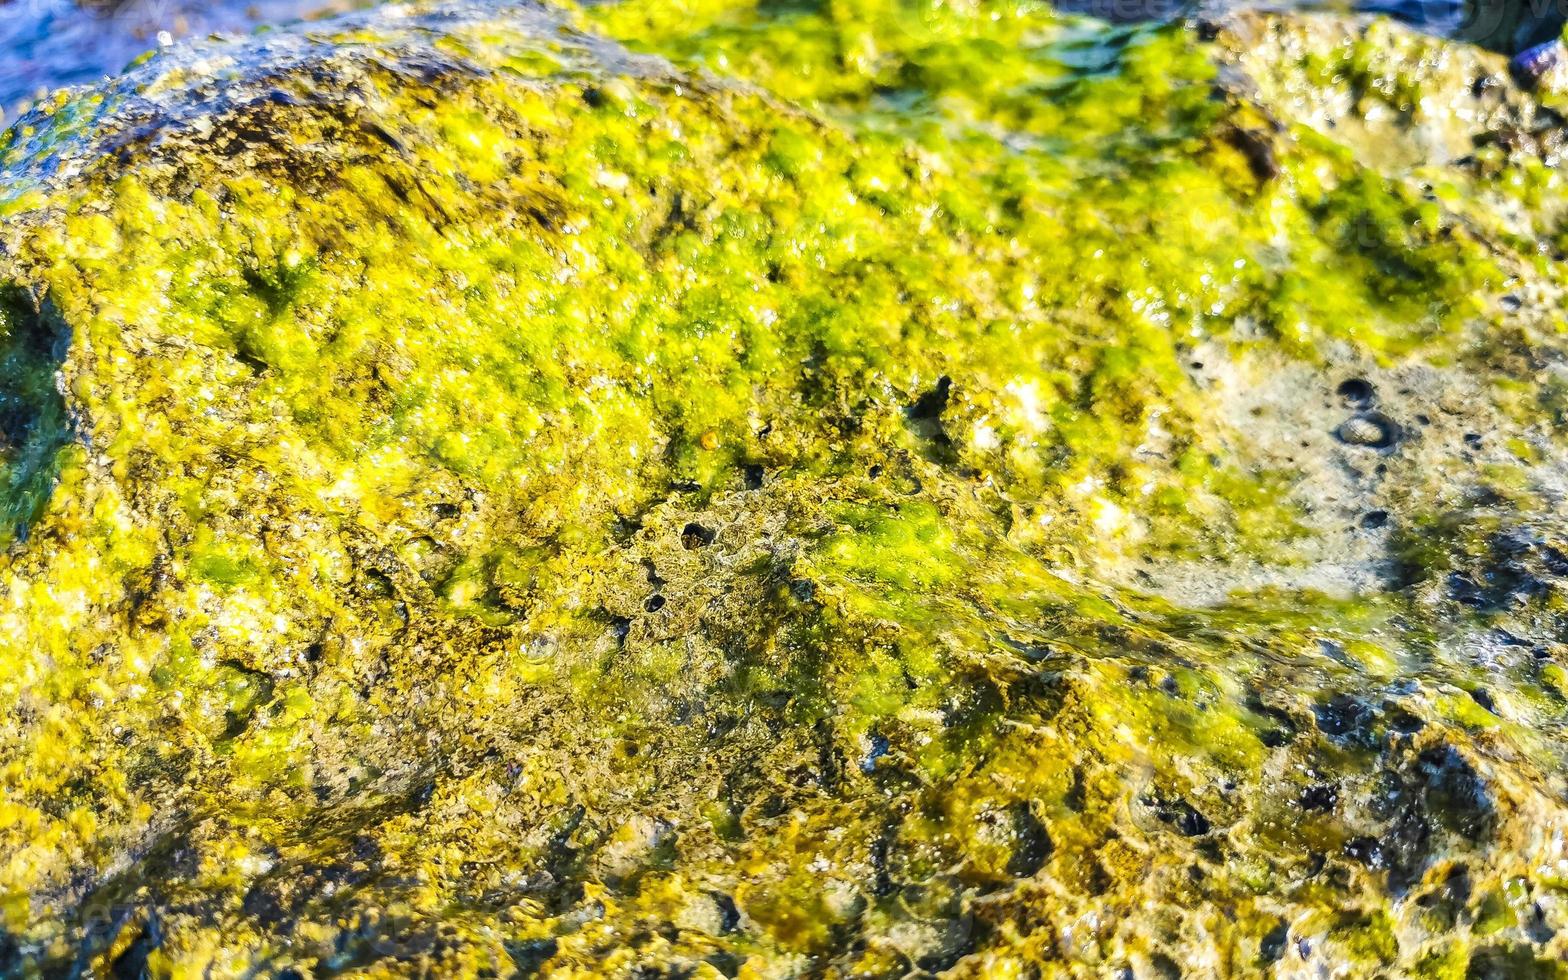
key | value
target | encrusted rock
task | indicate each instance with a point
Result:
(483, 502)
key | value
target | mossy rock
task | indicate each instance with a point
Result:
(876, 492)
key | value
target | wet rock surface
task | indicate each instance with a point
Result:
(483, 502)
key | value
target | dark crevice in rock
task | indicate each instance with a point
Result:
(34, 423)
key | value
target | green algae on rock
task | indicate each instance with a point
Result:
(868, 495)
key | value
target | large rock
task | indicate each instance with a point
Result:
(975, 491)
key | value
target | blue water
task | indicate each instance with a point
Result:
(45, 44)
(50, 43)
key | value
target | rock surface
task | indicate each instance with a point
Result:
(891, 489)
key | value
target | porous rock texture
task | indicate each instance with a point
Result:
(856, 489)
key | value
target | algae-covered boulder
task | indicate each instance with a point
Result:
(891, 489)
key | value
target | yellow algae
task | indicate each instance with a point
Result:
(892, 488)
